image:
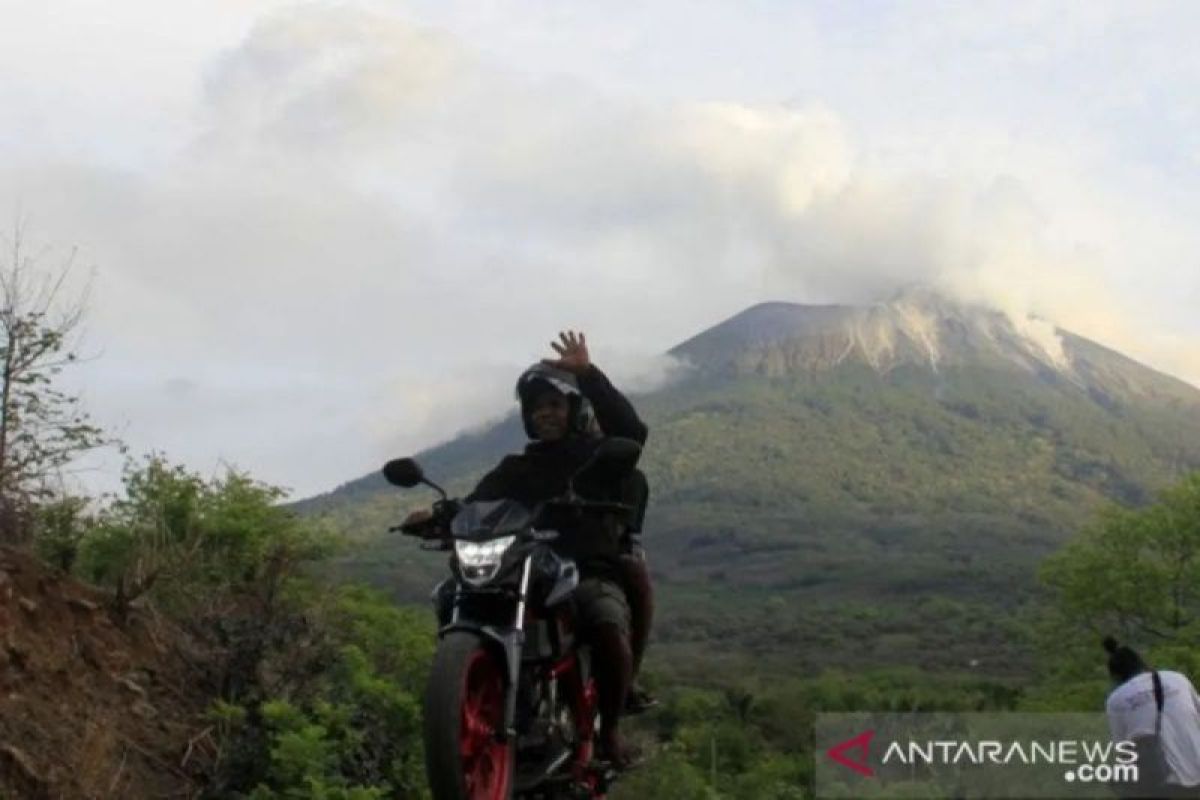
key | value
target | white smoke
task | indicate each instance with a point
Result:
(384, 216)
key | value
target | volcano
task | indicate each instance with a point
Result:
(873, 479)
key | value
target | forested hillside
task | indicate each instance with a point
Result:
(835, 484)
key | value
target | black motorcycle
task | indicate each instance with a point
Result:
(511, 705)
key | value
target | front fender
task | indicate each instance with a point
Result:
(508, 644)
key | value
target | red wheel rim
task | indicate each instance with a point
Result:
(485, 760)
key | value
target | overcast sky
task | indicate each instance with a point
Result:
(324, 234)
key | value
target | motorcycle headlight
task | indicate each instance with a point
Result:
(480, 560)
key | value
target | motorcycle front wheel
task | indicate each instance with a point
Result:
(464, 710)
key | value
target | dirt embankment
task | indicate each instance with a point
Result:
(91, 707)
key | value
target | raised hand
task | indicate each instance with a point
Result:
(572, 351)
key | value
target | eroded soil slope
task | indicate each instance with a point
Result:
(92, 706)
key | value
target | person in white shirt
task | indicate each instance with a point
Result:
(1133, 715)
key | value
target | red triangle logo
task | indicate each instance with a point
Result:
(861, 743)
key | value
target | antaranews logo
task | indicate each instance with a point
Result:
(861, 743)
(991, 755)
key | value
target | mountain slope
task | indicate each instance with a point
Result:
(826, 464)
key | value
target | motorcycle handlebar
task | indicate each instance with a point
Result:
(436, 527)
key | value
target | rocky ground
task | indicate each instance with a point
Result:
(92, 706)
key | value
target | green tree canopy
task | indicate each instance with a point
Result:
(1135, 573)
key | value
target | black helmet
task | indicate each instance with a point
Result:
(541, 377)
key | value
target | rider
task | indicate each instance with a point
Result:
(563, 401)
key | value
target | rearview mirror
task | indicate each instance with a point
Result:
(403, 472)
(613, 458)
(617, 453)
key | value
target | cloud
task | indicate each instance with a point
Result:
(377, 225)
(419, 411)
(179, 388)
(640, 373)
(326, 78)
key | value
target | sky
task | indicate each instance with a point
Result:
(319, 235)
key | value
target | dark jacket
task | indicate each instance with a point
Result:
(541, 472)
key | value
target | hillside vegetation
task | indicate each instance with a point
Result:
(851, 522)
(833, 485)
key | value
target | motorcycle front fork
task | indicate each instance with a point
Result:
(513, 646)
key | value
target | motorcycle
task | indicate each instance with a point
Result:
(510, 709)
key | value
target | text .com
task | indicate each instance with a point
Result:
(1103, 773)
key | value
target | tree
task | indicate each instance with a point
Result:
(202, 548)
(42, 427)
(59, 529)
(668, 775)
(1135, 573)
(319, 686)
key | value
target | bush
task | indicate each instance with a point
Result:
(317, 686)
